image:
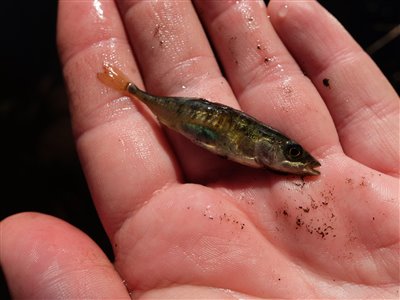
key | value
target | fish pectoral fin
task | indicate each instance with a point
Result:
(200, 134)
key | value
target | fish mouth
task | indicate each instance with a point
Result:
(309, 169)
(302, 169)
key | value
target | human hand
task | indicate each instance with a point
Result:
(186, 223)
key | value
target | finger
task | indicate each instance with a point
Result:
(364, 106)
(175, 58)
(264, 76)
(55, 260)
(123, 151)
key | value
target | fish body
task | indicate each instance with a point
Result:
(221, 129)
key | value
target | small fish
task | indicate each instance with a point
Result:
(221, 129)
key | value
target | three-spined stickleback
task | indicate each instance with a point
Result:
(221, 129)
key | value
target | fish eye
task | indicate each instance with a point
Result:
(293, 151)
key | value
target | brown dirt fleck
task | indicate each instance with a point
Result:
(305, 209)
(363, 181)
(299, 222)
(326, 83)
(313, 204)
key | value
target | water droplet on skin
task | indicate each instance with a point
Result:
(99, 9)
(283, 11)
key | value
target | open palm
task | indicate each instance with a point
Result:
(184, 222)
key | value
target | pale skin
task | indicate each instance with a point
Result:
(186, 223)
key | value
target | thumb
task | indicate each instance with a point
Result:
(46, 258)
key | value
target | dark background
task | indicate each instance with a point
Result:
(40, 170)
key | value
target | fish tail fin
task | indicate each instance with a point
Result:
(114, 78)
